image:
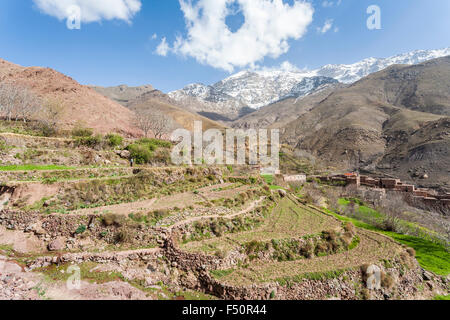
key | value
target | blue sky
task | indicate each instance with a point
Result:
(123, 51)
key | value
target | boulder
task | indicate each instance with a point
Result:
(124, 154)
(56, 245)
(282, 193)
(427, 276)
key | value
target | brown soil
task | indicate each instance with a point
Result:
(82, 103)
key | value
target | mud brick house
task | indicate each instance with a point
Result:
(425, 197)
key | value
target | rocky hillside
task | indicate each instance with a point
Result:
(399, 113)
(279, 114)
(158, 101)
(81, 102)
(147, 97)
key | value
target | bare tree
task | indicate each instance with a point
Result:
(156, 122)
(28, 105)
(51, 113)
(9, 95)
(17, 102)
(144, 122)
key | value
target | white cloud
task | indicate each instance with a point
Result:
(163, 48)
(268, 26)
(285, 66)
(326, 27)
(288, 67)
(92, 10)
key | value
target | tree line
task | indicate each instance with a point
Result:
(19, 103)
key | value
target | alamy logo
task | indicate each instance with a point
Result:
(73, 17)
(374, 20)
(237, 147)
(74, 281)
(373, 281)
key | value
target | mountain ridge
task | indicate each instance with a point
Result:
(258, 88)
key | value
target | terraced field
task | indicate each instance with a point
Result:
(180, 200)
(372, 249)
(179, 232)
(292, 220)
(287, 220)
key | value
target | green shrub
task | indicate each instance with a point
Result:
(272, 295)
(155, 142)
(81, 229)
(140, 153)
(3, 146)
(81, 132)
(46, 130)
(143, 150)
(114, 140)
(91, 142)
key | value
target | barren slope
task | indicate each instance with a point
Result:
(158, 101)
(123, 94)
(279, 114)
(379, 118)
(82, 103)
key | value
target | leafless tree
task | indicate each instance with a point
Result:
(28, 105)
(51, 113)
(9, 95)
(17, 102)
(156, 122)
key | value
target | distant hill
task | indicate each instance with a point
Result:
(146, 97)
(123, 94)
(158, 101)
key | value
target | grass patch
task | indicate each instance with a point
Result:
(221, 273)
(447, 297)
(60, 273)
(318, 276)
(32, 167)
(430, 255)
(268, 178)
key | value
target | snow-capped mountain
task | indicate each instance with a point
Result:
(255, 89)
(353, 72)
